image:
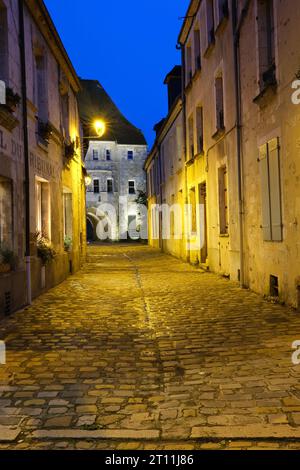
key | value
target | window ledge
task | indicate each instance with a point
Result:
(222, 24)
(190, 161)
(224, 235)
(199, 155)
(267, 93)
(7, 118)
(209, 48)
(189, 86)
(196, 74)
(219, 133)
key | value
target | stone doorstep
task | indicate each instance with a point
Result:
(250, 431)
(145, 434)
(8, 433)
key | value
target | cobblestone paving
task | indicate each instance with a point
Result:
(147, 352)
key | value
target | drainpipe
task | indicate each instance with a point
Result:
(237, 24)
(26, 150)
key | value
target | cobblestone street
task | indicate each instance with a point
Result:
(140, 350)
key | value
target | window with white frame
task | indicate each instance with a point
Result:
(193, 210)
(65, 113)
(266, 42)
(269, 163)
(219, 92)
(197, 49)
(41, 88)
(210, 22)
(68, 214)
(3, 43)
(191, 137)
(42, 208)
(189, 70)
(109, 185)
(130, 155)
(222, 10)
(131, 187)
(223, 201)
(108, 155)
(6, 220)
(95, 154)
(96, 184)
(200, 130)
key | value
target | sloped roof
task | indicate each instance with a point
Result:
(95, 103)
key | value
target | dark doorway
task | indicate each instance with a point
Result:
(203, 203)
(89, 231)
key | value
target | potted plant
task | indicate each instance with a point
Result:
(67, 244)
(70, 152)
(7, 260)
(44, 130)
(12, 99)
(45, 250)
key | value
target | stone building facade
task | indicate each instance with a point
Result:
(114, 163)
(55, 176)
(240, 128)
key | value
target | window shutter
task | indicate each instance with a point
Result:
(275, 189)
(265, 193)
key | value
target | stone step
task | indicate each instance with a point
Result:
(148, 434)
(8, 433)
(250, 431)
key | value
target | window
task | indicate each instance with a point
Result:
(131, 187)
(108, 155)
(130, 155)
(68, 214)
(189, 72)
(41, 88)
(197, 49)
(219, 103)
(110, 186)
(193, 210)
(266, 43)
(199, 118)
(42, 209)
(191, 137)
(269, 162)
(210, 22)
(6, 222)
(222, 10)
(3, 44)
(223, 201)
(96, 186)
(65, 115)
(95, 154)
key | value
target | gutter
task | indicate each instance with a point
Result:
(26, 150)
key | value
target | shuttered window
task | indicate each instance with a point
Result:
(269, 162)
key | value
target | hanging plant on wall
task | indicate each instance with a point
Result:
(12, 99)
(70, 152)
(45, 250)
(7, 260)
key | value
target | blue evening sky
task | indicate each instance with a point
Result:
(128, 45)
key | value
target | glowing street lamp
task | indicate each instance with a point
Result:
(100, 127)
(88, 180)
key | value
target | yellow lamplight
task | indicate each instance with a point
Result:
(88, 180)
(100, 127)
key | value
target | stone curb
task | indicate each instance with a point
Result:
(250, 431)
(8, 434)
(150, 434)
